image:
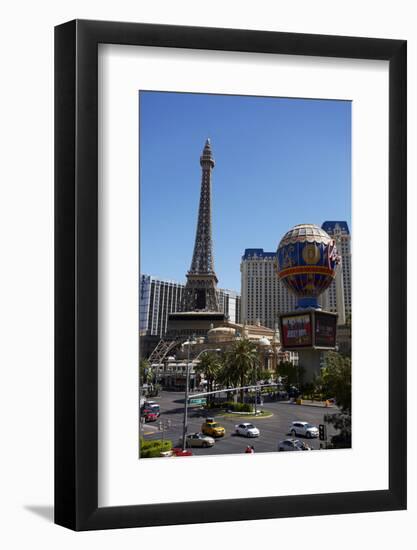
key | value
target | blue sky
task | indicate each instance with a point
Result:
(279, 162)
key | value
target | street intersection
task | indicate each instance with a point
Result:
(273, 429)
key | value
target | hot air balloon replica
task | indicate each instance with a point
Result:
(307, 261)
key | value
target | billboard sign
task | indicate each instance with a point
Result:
(313, 329)
(325, 330)
(296, 330)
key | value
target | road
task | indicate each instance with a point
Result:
(273, 429)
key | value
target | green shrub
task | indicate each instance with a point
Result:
(154, 447)
(237, 407)
(231, 406)
(243, 407)
(223, 405)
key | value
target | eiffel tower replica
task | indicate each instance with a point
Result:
(200, 293)
(200, 303)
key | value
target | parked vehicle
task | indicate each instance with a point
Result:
(199, 439)
(149, 403)
(177, 451)
(294, 392)
(212, 428)
(151, 407)
(247, 429)
(150, 417)
(293, 445)
(303, 428)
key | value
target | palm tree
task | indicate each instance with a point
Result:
(226, 377)
(145, 371)
(241, 363)
(209, 365)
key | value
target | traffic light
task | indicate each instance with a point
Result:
(322, 432)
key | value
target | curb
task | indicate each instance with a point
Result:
(321, 406)
(249, 416)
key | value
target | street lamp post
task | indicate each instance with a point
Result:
(141, 427)
(264, 346)
(189, 343)
(256, 392)
(275, 345)
(187, 384)
(163, 427)
(298, 377)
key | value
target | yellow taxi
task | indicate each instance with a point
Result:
(212, 428)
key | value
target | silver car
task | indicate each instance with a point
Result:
(293, 445)
(303, 428)
(247, 429)
(199, 439)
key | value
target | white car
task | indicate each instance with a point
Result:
(247, 429)
(303, 428)
(293, 445)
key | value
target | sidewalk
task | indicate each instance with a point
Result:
(149, 429)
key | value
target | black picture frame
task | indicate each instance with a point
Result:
(76, 271)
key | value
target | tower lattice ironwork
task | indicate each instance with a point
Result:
(200, 293)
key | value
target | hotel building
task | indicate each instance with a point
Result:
(338, 297)
(263, 296)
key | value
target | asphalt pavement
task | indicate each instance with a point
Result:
(272, 429)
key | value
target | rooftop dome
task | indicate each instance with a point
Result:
(221, 333)
(264, 341)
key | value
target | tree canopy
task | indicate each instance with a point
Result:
(241, 364)
(210, 365)
(145, 372)
(336, 379)
(291, 374)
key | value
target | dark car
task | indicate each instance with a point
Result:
(293, 392)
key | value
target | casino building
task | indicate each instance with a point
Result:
(159, 297)
(338, 298)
